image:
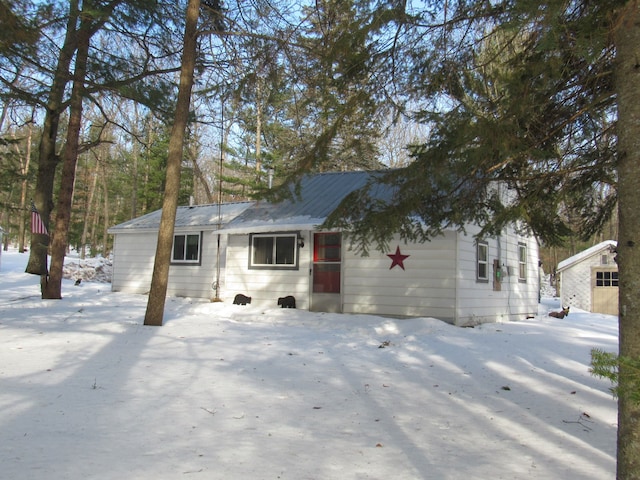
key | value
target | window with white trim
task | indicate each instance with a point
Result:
(606, 279)
(186, 248)
(522, 262)
(482, 262)
(277, 251)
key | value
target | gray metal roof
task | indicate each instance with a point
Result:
(318, 196)
(210, 215)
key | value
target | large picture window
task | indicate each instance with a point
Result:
(482, 261)
(274, 251)
(186, 248)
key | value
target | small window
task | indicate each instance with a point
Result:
(482, 254)
(522, 262)
(186, 248)
(274, 251)
(327, 247)
(606, 279)
(604, 260)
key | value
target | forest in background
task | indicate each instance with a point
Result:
(258, 98)
(267, 93)
(541, 97)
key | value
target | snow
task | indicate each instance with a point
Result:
(578, 257)
(224, 391)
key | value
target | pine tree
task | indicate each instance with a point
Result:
(538, 97)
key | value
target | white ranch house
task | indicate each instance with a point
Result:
(589, 279)
(268, 251)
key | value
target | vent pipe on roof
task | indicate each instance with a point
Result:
(270, 177)
(191, 200)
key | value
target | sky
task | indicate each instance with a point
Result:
(224, 391)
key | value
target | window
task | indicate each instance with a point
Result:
(327, 255)
(274, 251)
(606, 279)
(186, 248)
(327, 247)
(522, 262)
(482, 254)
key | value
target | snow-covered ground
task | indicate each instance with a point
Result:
(228, 392)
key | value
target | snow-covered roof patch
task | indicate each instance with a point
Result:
(578, 257)
(210, 215)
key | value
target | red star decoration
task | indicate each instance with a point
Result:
(397, 258)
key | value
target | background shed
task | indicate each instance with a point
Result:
(589, 279)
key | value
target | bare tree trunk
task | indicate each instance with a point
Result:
(87, 213)
(105, 204)
(134, 173)
(259, 127)
(157, 294)
(53, 289)
(199, 176)
(47, 158)
(95, 221)
(627, 76)
(145, 201)
(24, 172)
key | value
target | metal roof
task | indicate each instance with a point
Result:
(210, 215)
(318, 196)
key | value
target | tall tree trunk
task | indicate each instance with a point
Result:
(258, 126)
(53, 288)
(198, 175)
(87, 213)
(47, 157)
(159, 280)
(95, 221)
(24, 172)
(105, 205)
(627, 78)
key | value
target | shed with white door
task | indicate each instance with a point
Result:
(589, 279)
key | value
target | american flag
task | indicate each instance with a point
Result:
(37, 225)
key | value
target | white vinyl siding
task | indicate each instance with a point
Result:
(134, 254)
(426, 286)
(439, 279)
(479, 302)
(265, 286)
